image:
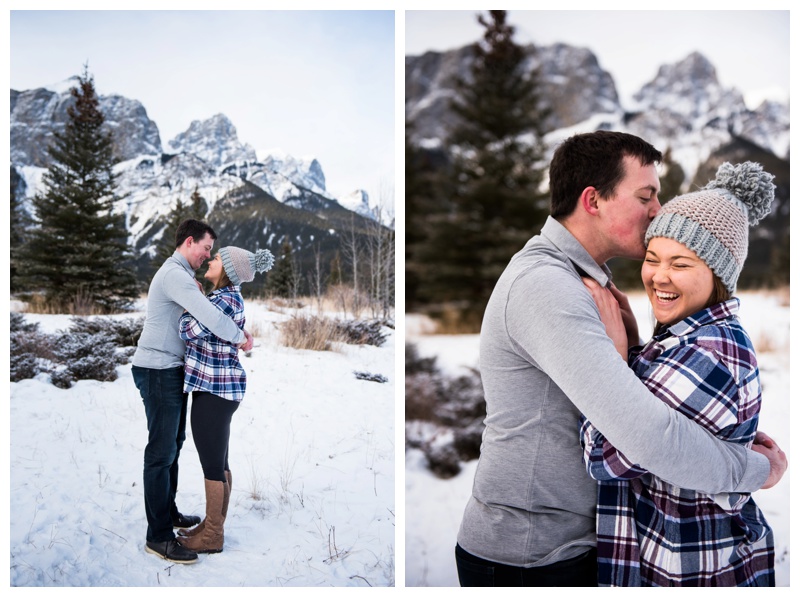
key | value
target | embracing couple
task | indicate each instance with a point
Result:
(189, 344)
(631, 471)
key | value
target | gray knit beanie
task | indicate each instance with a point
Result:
(241, 266)
(713, 221)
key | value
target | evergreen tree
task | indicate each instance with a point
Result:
(281, 279)
(427, 198)
(77, 251)
(497, 204)
(196, 210)
(18, 224)
(166, 245)
(673, 178)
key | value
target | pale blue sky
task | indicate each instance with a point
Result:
(311, 83)
(750, 49)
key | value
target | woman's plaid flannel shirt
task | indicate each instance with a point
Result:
(211, 364)
(652, 533)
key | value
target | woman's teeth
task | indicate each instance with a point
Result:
(666, 296)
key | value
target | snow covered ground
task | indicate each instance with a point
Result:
(312, 456)
(434, 506)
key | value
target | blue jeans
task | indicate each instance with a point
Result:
(473, 571)
(165, 408)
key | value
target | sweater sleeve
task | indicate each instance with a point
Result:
(554, 323)
(191, 329)
(602, 460)
(180, 287)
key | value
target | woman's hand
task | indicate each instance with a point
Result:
(247, 345)
(778, 463)
(610, 315)
(628, 318)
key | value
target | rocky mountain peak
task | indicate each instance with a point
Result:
(213, 140)
(689, 88)
(37, 113)
(303, 172)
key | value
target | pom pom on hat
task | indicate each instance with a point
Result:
(749, 184)
(713, 222)
(241, 265)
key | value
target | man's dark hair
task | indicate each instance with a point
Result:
(593, 160)
(194, 228)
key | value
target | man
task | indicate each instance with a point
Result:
(158, 374)
(545, 358)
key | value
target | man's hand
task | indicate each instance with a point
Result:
(247, 345)
(778, 463)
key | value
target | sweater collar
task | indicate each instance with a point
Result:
(556, 233)
(183, 262)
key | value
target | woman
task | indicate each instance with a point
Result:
(217, 381)
(701, 362)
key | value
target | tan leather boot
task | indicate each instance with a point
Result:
(211, 538)
(199, 528)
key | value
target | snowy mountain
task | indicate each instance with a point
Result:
(683, 108)
(207, 157)
(684, 111)
(37, 113)
(214, 141)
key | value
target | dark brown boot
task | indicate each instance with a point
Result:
(199, 528)
(211, 538)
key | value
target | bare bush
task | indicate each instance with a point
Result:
(369, 332)
(308, 332)
(455, 407)
(125, 332)
(90, 349)
(29, 349)
(84, 356)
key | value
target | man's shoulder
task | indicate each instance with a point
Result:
(537, 277)
(171, 269)
(540, 262)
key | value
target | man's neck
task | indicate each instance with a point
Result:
(185, 258)
(589, 237)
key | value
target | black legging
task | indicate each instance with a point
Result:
(211, 429)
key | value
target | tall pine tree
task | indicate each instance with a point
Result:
(427, 198)
(18, 226)
(497, 203)
(77, 251)
(196, 209)
(281, 279)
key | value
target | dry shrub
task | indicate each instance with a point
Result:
(764, 343)
(346, 299)
(451, 319)
(454, 407)
(308, 332)
(79, 304)
(281, 304)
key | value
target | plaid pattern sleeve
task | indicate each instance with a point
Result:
(652, 533)
(212, 364)
(603, 461)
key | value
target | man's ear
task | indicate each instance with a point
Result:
(588, 200)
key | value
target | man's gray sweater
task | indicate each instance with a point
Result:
(172, 291)
(545, 358)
